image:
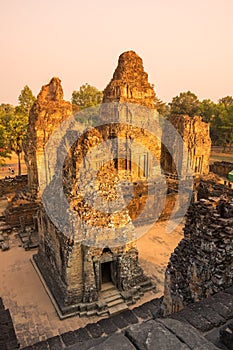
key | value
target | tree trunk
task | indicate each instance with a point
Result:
(19, 164)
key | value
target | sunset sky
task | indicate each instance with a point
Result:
(185, 45)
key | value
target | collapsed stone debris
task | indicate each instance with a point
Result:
(201, 265)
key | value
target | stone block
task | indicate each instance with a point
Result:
(94, 329)
(69, 338)
(119, 321)
(226, 336)
(187, 334)
(81, 335)
(107, 325)
(55, 343)
(196, 320)
(151, 335)
(129, 317)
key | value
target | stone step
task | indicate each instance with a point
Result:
(107, 286)
(112, 298)
(109, 293)
(146, 289)
(103, 313)
(91, 313)
(115, 302)
(82, 314)
(117, 309)
(147, 285)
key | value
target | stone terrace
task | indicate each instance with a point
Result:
(204, 326)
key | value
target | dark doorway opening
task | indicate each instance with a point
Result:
(106, 272)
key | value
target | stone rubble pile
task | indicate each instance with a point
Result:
(201, 265)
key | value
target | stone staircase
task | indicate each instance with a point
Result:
(112, 297)
(5, 230)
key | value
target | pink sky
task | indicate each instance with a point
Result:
(185, 45)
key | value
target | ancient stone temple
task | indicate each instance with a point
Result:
(48, 111)
(138, 157)
(90, 246)
(96, 183)
(197, 144)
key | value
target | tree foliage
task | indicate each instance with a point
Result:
(26, 100)
(220, 117)
(225, 121)
(6, 113)
(186, 103)
(87, 96)
(13, 125)
(161, 107)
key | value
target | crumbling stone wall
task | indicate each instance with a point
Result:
(201, 265)
(196, 138)
(209, 186)
(221, 168)
(9, 186)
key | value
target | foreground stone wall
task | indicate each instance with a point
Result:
(201, 265)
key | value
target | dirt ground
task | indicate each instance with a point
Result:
(13, 164)
(217, 155)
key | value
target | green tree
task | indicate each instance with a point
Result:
(161, 107)
(225, 118)
(16, 134)
(26, 100)
(208, 110)
(16, 128)
(186, 103)
(4, 151)
(87, 96)
(6, 113)
(226, 101)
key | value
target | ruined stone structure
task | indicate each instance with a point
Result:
(201, 265)
(138, 156)
(221, 168)
(100, 246)
(130, 83)
(196, 138)
(48, 111)
(86, 241)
